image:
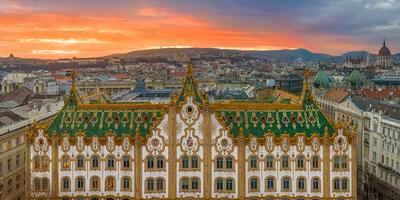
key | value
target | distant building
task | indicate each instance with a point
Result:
(290, 82)
(384, 59)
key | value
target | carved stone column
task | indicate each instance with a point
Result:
(172, 182)
(326, 167)
(138, 165)
(241, 165)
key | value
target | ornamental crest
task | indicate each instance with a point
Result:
(315, 144)
(155, 144)
(270, 143)
(300, 143)
(190, 112)
(189, 142)
(340, 144)
(95, 144)
(41, 143)
(224, 142)
(126, 145)
(285, 143)
(253, 144)
(65, 144)
(79, 143)
(110, 143)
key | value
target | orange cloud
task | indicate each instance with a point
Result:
(49, 35)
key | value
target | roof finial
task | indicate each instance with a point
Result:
(384, 41)
(189, 70)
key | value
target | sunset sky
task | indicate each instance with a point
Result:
(86, 28)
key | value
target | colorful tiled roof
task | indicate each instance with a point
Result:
(255, 118)
(279, 119)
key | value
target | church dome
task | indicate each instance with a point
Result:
(321, 79)
(384, 51)
(355, 78)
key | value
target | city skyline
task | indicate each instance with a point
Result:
(45, 29)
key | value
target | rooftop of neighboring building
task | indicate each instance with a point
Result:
(8, 117)
(382, 92)
(335, 94)
(369, 104)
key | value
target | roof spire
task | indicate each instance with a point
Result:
(384, 41)
(306, 74)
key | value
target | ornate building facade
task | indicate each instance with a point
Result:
(191, 148)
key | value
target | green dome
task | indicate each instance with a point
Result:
(355, 78)
(321, 79)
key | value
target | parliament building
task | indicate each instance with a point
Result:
(191, 148)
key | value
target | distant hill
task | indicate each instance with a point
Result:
(286, 54)
(291, 55)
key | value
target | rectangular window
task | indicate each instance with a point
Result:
(160, 184)
(126, 183)
(374, 156)
(9, 164)
(17, 160)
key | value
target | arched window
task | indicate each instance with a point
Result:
(229, 184)
(220, 184)
(65, 184)
(270, 162)
(95, 183)
(195, 162)
(126, 183)
(45, 184)
(315, 162)
(160, 184)
(45, 163)
(80, 162)
(286, 183)
(301, 184)
(270, 183)
(195, 183)
(150, 184)
(315, 182)
(336, 184)
(160, 162)
(229, 162)
(110, 183)
(344, 162)
(344, 184)
(336, 164)
(285, 162)
(300, 162)
(36, 163)
(150, 163)
(126, 162)
(80, 184)
(253, 183)
(220, 162)
(110, 162)
(65, 162)
(185, 162)
(95, 162)
(185, 184)
(36, 184)
(253, 162)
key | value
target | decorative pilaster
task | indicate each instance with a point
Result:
(27, 163)
(138, 165)
(242, 165)
(326, 190)
(207, 153)
(54, 166)
(354, 156)
(172, 182)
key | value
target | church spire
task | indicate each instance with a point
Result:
(384, 41)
